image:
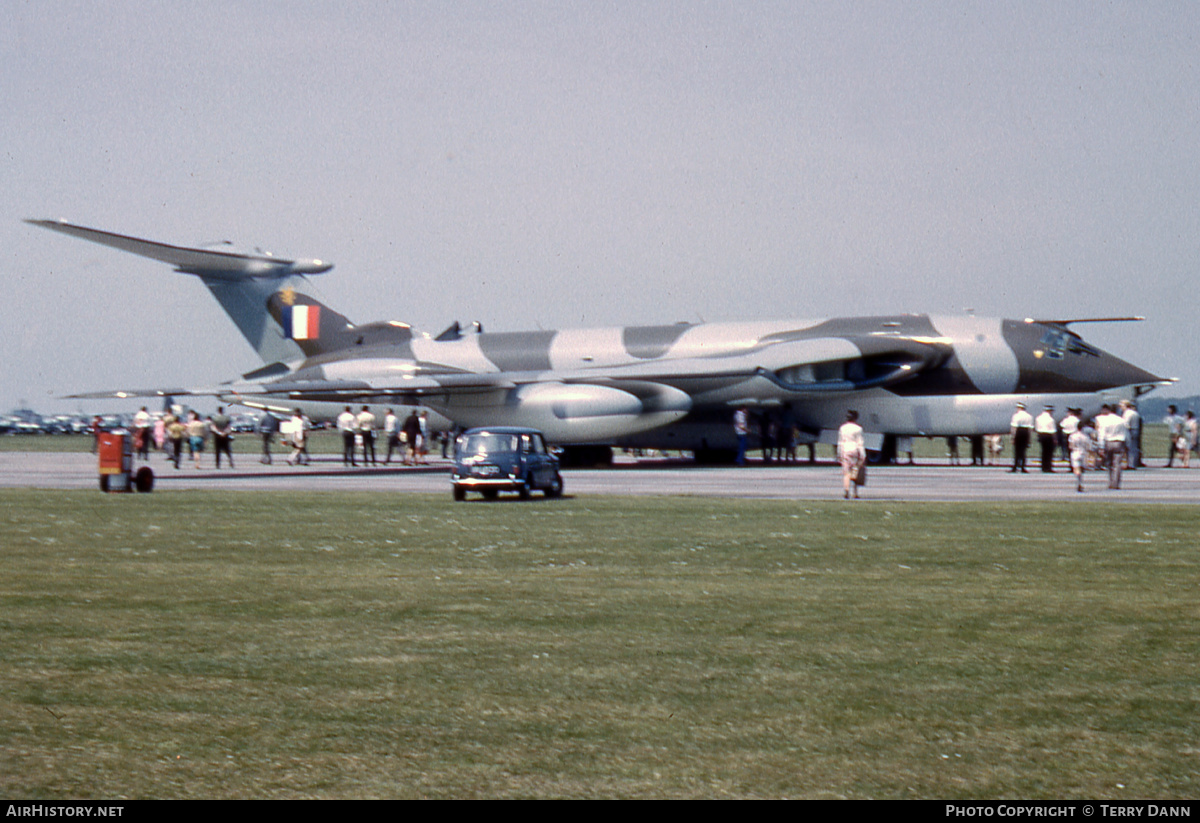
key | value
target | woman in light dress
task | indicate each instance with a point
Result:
(852, 454)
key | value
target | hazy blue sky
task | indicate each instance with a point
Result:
(561, 164)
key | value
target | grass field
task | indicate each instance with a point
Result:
(196, 644)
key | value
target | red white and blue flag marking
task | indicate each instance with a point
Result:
(302, 322)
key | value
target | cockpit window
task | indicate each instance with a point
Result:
(1057, 342)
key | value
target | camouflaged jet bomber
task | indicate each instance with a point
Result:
(667, 387)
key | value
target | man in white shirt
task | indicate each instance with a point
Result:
(295, 435)
(1067, 427)
(391, 426)
(347, 425)
(1111, 433)
(366, 428)
(1047, 432)
(1021, 427)
(1133, 421)
(1174, 428)
(1191, 434)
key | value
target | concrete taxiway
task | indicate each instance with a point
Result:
(930, 482)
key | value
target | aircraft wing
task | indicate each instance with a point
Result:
(121, 394)
(207, 262)
(320, 389)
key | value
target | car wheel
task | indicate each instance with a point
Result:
(555, 489)
(460, 494)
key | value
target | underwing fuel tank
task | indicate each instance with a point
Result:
(578, 413)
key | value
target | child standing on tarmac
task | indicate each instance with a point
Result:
(1080, 445)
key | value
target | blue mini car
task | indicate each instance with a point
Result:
(504, 458)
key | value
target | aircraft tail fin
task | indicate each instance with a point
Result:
(308, 324)
(250, 286)
(247, 303)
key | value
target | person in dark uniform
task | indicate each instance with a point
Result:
(222, 432)
(268, 426)
(412, 437)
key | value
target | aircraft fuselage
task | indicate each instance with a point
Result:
(677, 386)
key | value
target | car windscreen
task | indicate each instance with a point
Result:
(482, 445)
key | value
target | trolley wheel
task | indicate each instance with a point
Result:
(143, 481)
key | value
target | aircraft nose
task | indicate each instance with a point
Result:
(1053, 359)
(1121, 373)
